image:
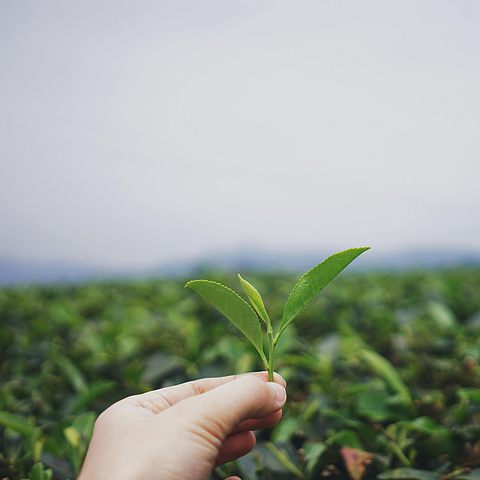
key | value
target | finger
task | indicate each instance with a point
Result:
(267, 422)
(220, 410)
(157, 401)
(235, 446)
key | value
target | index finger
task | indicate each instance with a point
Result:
(159, 400)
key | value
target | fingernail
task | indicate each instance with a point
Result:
(279, 391)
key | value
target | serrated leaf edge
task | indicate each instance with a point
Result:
(318, 264)
(227, 288)
(262, 354)
(313, 268)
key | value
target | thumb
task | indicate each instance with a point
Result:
(221, 409)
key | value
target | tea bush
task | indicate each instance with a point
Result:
(382, 371)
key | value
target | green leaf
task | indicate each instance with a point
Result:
(38, 472)
(374, 406)
(256, 300)
(345, 437)
(84, 424)
(22, 426)
(73, 436)
(408, 473)
(285, 430)
(425, 425)
(439, 443)
(473, 474)
(442, 315)
(17, 423)
(471, 393)
(313, 451)
(72, 372)
(282, 457)
(96, 390)
(314, 281)
(387, 371)
(233, 307)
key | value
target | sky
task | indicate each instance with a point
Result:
(135, 133)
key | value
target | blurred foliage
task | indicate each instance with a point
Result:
(382, 370)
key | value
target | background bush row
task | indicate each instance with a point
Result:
(382, 370)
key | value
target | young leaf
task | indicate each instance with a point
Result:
(256, 300)
(314, 281)
(387, 371)
(237, 310)
(18, 424)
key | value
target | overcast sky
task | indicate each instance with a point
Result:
(134, 132)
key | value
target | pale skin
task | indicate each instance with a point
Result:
(184, 431)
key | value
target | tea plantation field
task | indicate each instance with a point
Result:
(382, 371)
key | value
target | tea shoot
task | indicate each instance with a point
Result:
(247, 319)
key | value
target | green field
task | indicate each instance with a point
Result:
(383, 363)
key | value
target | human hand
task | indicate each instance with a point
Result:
(184, 431)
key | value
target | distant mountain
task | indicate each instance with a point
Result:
(255, 259)
(14, 271)
(431, 258)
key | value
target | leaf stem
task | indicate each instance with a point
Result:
(271, 349)
(271, 355)
(266, 364)
(401, 456)
(282, 457)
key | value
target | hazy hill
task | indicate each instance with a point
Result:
(15, 271)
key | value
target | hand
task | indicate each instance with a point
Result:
(185, 431)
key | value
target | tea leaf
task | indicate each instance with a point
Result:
(72, 372)
(19, 424)
(408, 474)
(233, 307)
(282, 457)
(22, 426)
(95, 391)
(356, 461)
(473, 474)
(387, 371)
(73, 436)
(313, 451)
(256, 300)
(38, 472)
(314, 281)
(347, 437)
